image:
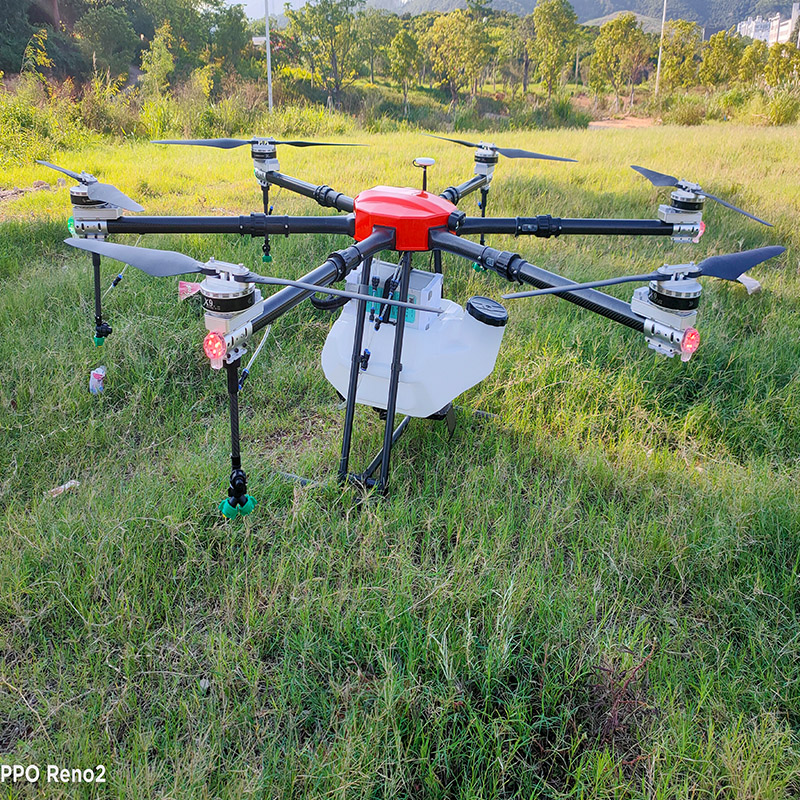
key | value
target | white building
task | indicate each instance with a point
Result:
(774, 29)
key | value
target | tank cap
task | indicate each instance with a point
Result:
(487, 311)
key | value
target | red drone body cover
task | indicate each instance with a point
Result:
(412, 213)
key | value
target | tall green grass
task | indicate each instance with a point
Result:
(594, 595)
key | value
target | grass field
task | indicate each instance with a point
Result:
(593, 596)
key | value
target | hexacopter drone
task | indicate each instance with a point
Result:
(398, 345)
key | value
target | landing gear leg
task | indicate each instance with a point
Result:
(101, 329)
(238, 503)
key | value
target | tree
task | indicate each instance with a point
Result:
(555, 23)
(157, 62)
(328, 27)
(722, 55)
(621, 54)
(15, 32)
(682, 41)
(107, 36)
(754, 59)
(783, 64)
(376, 30)
(404, 60)
(230, 36)
(456, 45)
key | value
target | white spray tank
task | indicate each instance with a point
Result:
(443, 354)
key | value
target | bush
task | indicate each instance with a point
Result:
(159, 118)
(33, 125)
(688, 110)
(784, 108)
(104, 108)
(725, 105)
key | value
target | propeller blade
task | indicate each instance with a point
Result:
(69, 172)
(730, 267)
(106, 193)
(659, 179)
(158, 263)
(456, 141)
(656, 178)
(734, 208)
(225, 144)
(510, 152)
(591, 285)
(253, 278)
(727, 267)
(321, 144)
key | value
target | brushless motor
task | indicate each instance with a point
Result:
(226, 298)
(682, 295)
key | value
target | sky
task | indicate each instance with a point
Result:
(255, 8)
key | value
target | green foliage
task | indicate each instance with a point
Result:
(754, 59)
(230, 38)
(404, 58)
(107, 37)
(680, 58)
(158, 63)
(327, 33)
(104, 108)
(722, 57)
(783, 64)
(555, 23)
(687, 110)
(621, 54)
(456, 46)
(784, 107)
(35, 60)
(15, 33)
(35, 124)
(376, 31)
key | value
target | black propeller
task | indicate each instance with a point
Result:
(508, 152)
(166, 263)
(726, 267)
(229, 144)
(659, 179)
(101, 192)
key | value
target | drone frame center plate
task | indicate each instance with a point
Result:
(410, 212)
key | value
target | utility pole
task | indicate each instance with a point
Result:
(269, 55)
(661, 46)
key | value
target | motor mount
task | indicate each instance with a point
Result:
(670, 307)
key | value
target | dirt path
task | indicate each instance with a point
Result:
(626, 122)
(38, 186)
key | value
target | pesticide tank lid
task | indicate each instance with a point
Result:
(487, 311)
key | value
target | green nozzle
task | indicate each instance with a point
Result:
(266, 258)
(71, 225)
(477, 267)
(231, 512)
(99, 340)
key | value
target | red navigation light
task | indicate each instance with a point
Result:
(690, 342)
(702, 231)
(214, 346)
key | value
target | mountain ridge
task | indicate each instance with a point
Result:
(712, 14)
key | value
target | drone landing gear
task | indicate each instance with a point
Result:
(390, 433)
(101, 329)
(238, 503)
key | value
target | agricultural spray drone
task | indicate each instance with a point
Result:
(398, 345)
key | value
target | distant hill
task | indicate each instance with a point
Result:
(712, 14)
(650, 24)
